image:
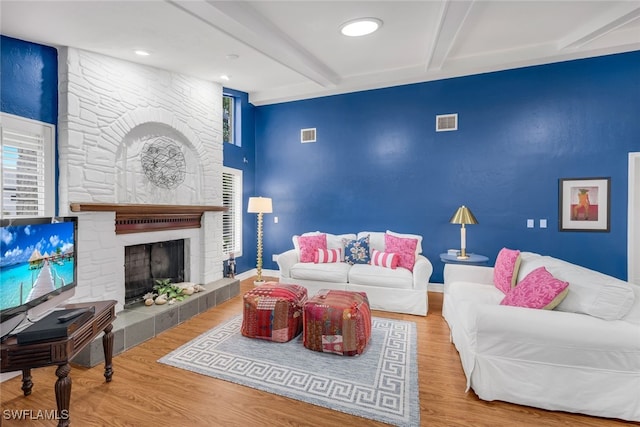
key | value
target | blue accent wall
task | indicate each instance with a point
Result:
(29, 80)
(378, 163)
(243, 157)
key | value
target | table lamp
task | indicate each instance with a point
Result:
(463, 216)
(259, 205)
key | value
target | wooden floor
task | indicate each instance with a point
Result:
(146, 393)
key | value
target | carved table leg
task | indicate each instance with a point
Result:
(107, 346)
(26, 382)
(63, 394)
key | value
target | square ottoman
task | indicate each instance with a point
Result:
(273, 311)
(337, 322)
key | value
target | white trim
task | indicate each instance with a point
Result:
(253, 272)
(633, 220)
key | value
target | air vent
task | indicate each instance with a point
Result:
(446, 122)
(308, 135)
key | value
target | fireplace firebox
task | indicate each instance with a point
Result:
(146, 263)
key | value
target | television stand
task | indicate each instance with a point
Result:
(24, 357)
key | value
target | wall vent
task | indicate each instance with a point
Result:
(446, 122)
(307, 135)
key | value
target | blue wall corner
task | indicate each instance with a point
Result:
(243, 157)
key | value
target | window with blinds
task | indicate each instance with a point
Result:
(27, 167)
(232, 218)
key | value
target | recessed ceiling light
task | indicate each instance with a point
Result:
(360, 27)
(225, 77)
(142, 52)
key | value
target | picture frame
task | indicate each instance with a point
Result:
(584, 204)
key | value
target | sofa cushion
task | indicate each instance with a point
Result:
(384, 259)
(538, 290)
(336, 272)
(505, 271)
(357, 251)
(590, 292)
(323, 256)
(309, 245)
(373, 275)
(404, 247)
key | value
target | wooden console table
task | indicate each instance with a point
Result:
(24, 357)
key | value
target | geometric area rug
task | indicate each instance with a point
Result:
(381, 384)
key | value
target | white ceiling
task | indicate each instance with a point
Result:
(291, 50)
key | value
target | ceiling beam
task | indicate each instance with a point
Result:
(609, 21)
(240, 21)
(451, 18)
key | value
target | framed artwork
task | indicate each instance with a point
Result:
(584, 204)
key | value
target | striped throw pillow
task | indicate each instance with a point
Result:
(324, 256)
(384, 259)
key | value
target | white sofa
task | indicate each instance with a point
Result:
(568, 359)
(396, 290)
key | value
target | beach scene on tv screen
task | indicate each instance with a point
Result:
(35, 260)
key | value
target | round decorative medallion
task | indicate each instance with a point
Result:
(163, 162)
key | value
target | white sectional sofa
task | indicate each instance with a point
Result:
(397, 290)
(583, 356)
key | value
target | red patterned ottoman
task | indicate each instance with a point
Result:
(337, 322)
(273, 311)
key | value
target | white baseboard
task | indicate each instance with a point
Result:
(253, 272)
(435, 287)
(431, 287)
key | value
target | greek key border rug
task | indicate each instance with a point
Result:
(381, 384)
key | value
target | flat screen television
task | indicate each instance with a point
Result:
(38, 267)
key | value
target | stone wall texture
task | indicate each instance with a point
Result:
(116, 120)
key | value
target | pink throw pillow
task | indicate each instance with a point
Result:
(404, 248)
(384, 259)
(538, 290)
(505, 272)
(323, 256)
(309, 244)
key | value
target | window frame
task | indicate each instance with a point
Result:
(236, 210)
(45, 176)
(231, 128)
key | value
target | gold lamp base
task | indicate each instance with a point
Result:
(463, 254)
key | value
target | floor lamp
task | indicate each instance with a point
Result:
(259, 205)
(463, 216)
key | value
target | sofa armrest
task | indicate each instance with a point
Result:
(422, 270)
(285, 261)
(468, 273)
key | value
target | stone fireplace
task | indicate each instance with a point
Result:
(135, 135)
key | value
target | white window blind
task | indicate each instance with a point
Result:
(232, 218)
(27, 163)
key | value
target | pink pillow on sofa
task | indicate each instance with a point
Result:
(404, 247)
(324, 256)
(505, 272)
(309, 244)
(384, 259)
(538, 290)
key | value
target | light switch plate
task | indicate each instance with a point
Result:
(529, 223)
(543, 223)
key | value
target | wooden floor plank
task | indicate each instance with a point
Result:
(146, 393)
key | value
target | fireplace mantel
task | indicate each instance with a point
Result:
(138, 218)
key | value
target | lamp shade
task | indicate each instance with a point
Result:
(463, 216)
(260, 205)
